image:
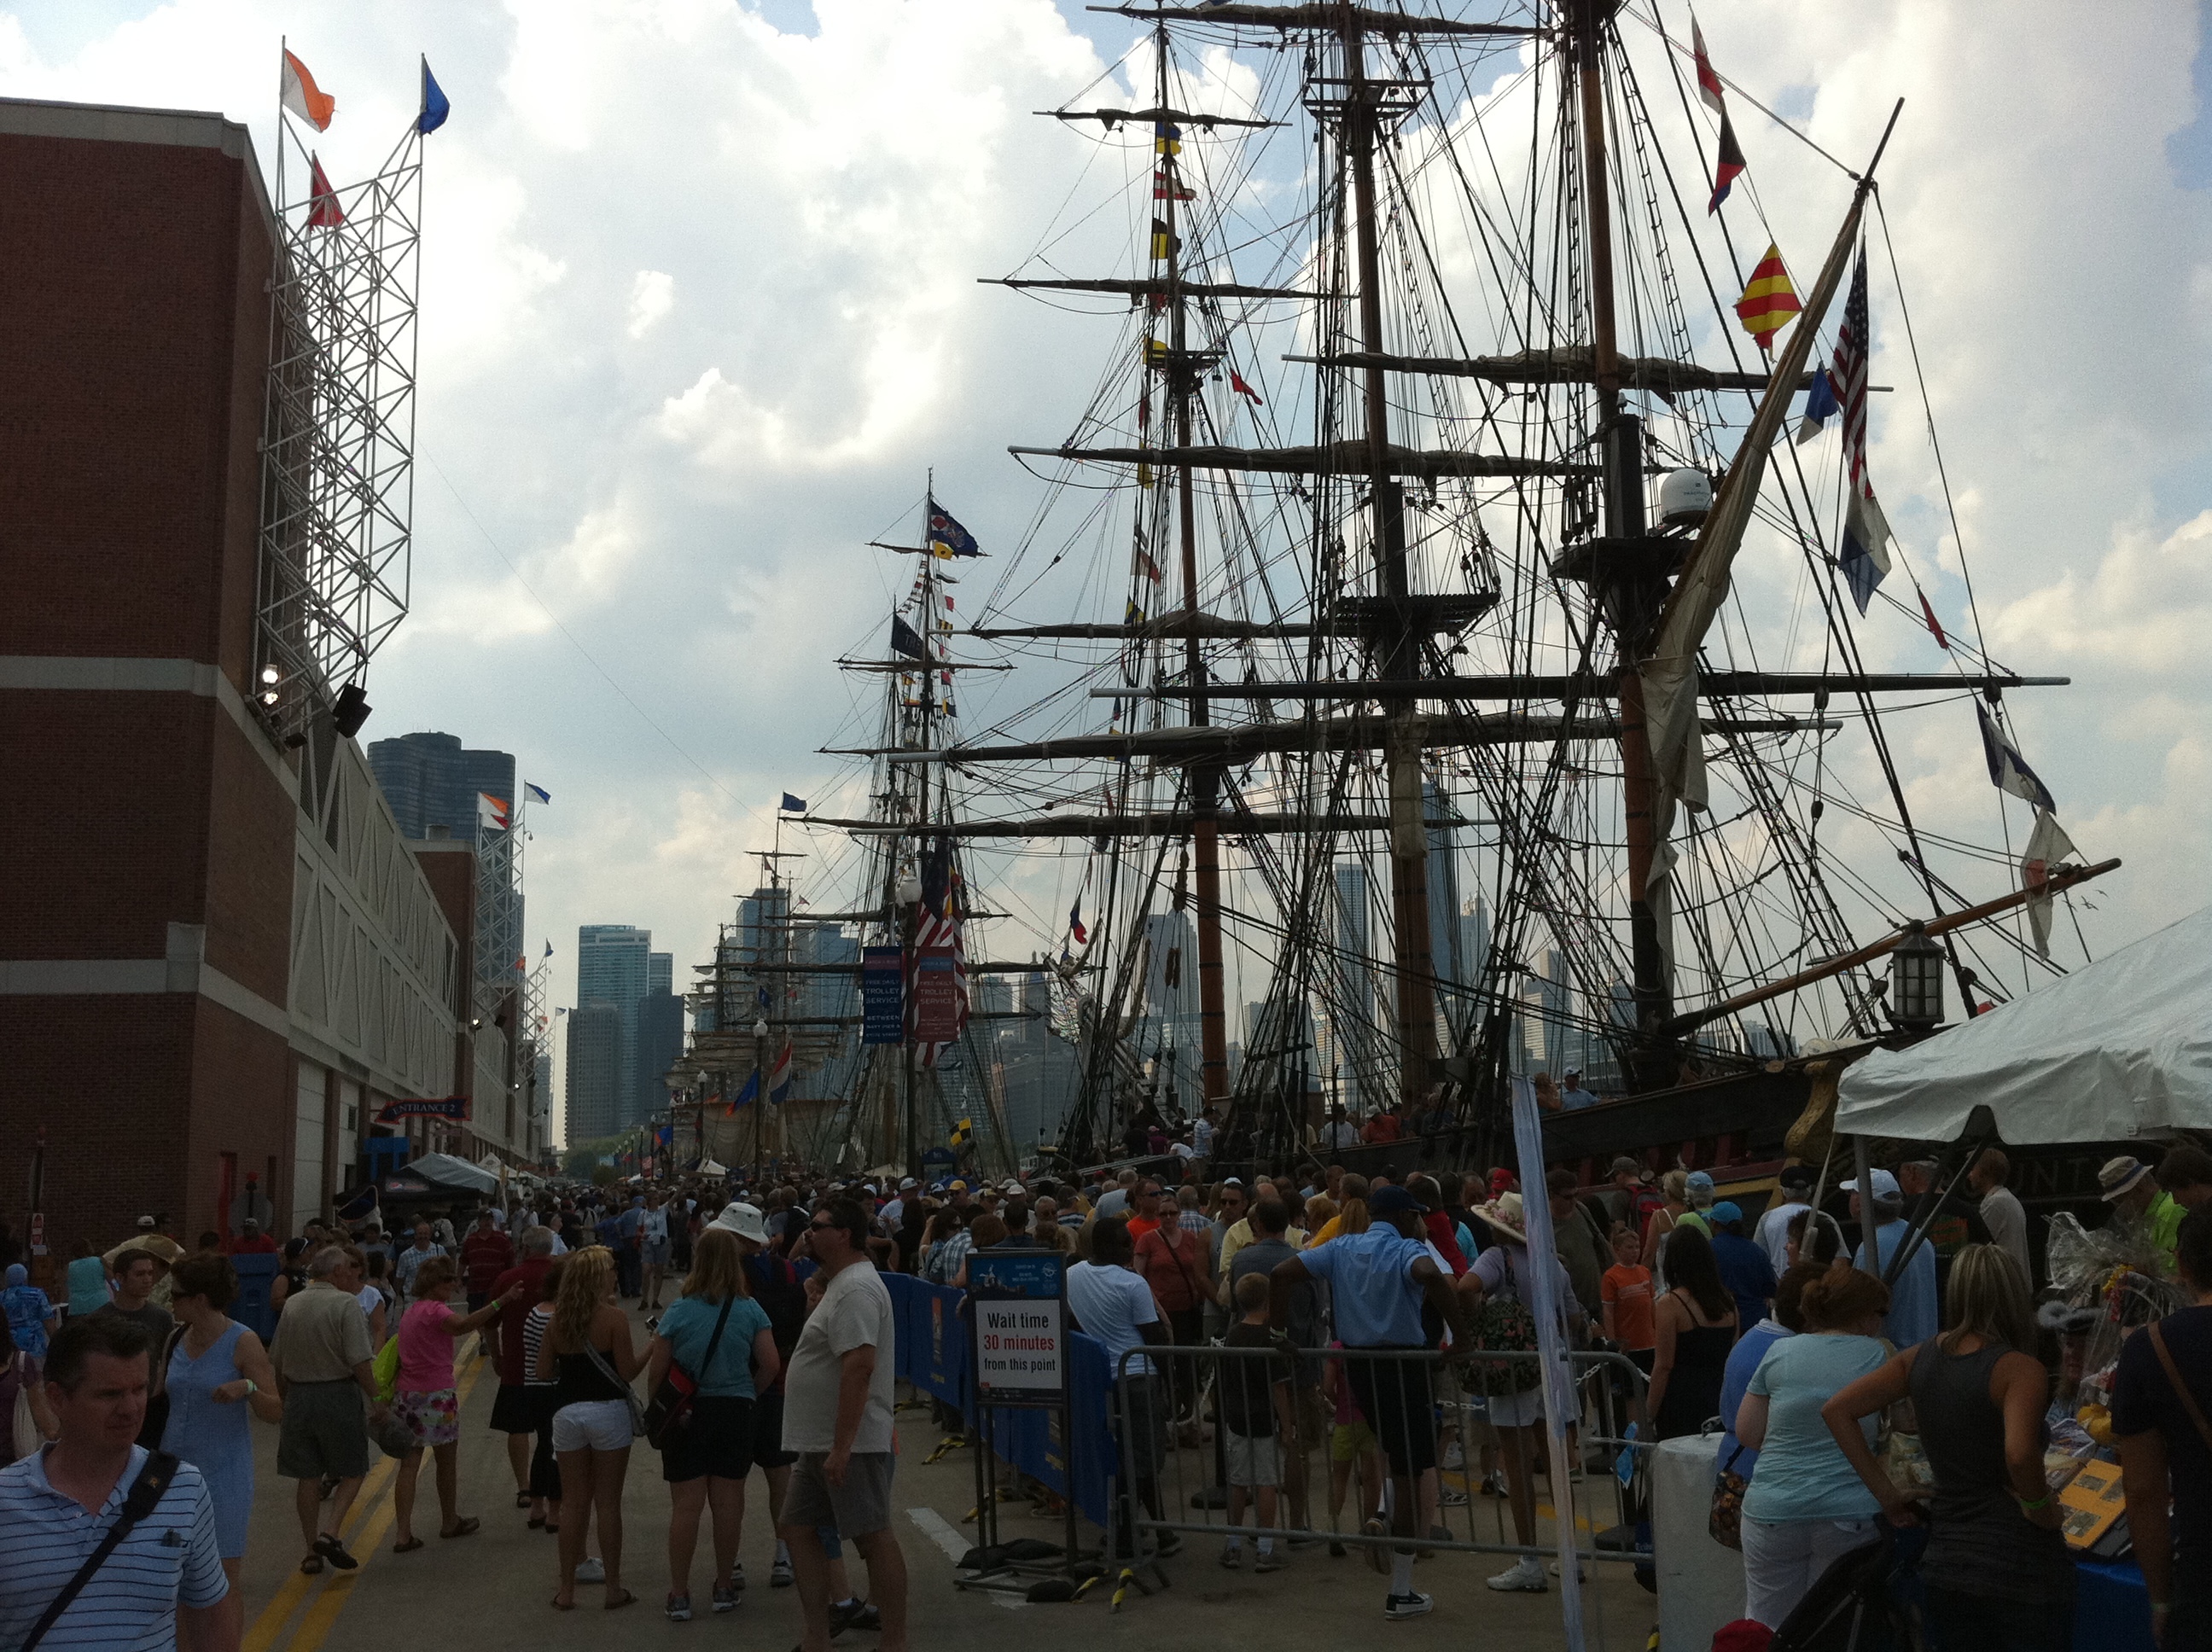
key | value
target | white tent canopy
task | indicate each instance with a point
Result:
(444, 1170)
(2120, 1046)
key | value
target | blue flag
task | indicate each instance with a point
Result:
(435, 106)
(792, 805)
(1820, 406)
(946, 537)
(750, 1094)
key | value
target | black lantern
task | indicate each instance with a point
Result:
(1916, 981)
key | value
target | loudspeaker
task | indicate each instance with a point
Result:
(351, 710)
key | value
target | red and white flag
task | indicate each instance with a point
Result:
(494, 812)
(324, 211)
(2048, 847)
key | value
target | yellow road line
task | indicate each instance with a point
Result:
(270, 1624)
(371, 1515)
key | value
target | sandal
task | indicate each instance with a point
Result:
(522, 1499)
(560, 1604)
(332, 1548)
(312, 1565)
(408, 1547)
(625, 1599)
(468, 1528)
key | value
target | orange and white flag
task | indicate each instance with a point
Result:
(304, 98)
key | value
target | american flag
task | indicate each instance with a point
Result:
(940, 930)
(1851, 375)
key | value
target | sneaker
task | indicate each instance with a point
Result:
(1494, 1484)
(1271, 1560)
(726, 1598)
(1523, 1576)
(1377, 1557)
(591, 1570)
(679, 1608)
(1451, 1497)
(1232, 1555)
(779, 1574)
(1455, 1456)
(1415, 1605)
(1582, 1572)
(738, 1579)
(1335, 1550)
(1171, 1546)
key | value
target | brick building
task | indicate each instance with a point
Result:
(218, 956)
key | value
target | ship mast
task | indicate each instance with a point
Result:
(1181, 374)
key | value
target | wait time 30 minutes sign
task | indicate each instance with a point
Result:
(1021, 1327)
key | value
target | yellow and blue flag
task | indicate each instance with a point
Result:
(946, 537)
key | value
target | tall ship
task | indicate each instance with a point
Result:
(1458, 636)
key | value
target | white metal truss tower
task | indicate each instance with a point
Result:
(338, 425)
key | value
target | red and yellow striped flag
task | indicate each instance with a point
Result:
(1769, 301)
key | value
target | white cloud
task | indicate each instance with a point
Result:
(651, 296)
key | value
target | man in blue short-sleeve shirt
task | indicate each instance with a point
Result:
(57, 1504)
(1378, 1282)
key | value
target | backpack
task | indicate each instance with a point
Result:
(776, 1288)
(1505, 1325)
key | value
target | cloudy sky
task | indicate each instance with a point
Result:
(699, 312)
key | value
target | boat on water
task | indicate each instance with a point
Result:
(1450, 643)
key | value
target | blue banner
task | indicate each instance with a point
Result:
(883, 995)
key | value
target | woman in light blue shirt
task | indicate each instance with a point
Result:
(1807, 1506)
(706, 1463)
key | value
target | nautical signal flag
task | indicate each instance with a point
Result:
(1769, 300)
(1147, 567)
(1167, 187)
(494, 812)
(962, 1130)
(1935, 625)
(946, 537)
(549, 948)
(792, 805)
(1163, 243)
(1728, 163)
(1238, 385)
(1075, 923)
(324, 211)
(1820, 406)
(2008, 770)
(435, 107)
(538, 794)
(1132, 614)
(1167, 138)
(299, 92)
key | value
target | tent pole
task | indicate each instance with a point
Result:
(1861, 1168)
(1942, 1191)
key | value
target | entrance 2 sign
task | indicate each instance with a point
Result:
(1021, 1327)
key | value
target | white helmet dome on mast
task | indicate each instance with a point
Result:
(1685, 498)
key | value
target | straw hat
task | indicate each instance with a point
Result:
(1503, 1213)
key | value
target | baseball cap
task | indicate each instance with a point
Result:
(907, 1182)
(1625, 1166)
(1232, 1181)
(1391, 1199)
(1885, 1186)
(145, 1224)
(959, 1187)
(1797, 1175)
(1572, 1073)
(1726, 1210)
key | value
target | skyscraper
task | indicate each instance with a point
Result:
(595, 1071)
(613, 964)
(432, 780)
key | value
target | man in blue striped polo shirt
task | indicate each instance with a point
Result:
(57, 1504)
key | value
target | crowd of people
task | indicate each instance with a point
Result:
(758, 1333)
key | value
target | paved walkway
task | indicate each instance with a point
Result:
(494, 1590)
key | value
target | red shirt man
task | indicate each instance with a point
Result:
(252, 1242)
(530, 1273)
(1381, 1128)
(485, 1255)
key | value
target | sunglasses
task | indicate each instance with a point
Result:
(822, 1227)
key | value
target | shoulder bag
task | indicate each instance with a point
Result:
(1725, 1523)
(154, 1478)
(668, 1414)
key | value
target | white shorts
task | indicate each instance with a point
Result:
(1252, 1459)
(592, 1425)
(1517, 1409)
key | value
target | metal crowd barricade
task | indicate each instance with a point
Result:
(1166, 1493)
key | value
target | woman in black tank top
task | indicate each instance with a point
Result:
(591, 1417)
(1997, 1571)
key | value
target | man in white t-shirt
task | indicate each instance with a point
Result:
(837, 1417)
(1795, 1195)
(1114, 1303)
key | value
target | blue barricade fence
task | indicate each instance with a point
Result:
(934, 1356)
